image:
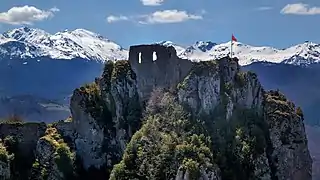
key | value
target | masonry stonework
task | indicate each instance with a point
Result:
(164, 72)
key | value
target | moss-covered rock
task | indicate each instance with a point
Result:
(54, 160)
(289, 155)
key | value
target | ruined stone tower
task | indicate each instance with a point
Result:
(166, 71)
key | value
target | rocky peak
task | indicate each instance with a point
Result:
(217, 92)
(26, 34)
(171, 118)
(204, 46)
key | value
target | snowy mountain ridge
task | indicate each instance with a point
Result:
(301, 54)
(80, 43)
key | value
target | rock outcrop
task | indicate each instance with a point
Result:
(105, 115)
(54, 160)
(290, 155)
(168, 119)
(205, 88)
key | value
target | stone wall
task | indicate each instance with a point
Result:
(166, 71)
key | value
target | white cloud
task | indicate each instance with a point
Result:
(112, 18)
(152, 2)
(26, 15)
(169, 16)
(300, 9)
(54, 9)
(158, 17)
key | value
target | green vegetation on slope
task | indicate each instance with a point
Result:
(164, 144)
(238, 142)
(235, 145)
(5, 157)
(62, 157)
(22, 159)
(170, 140)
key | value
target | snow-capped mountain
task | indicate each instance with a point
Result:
(180, 49)
(80, 43)
(41, 65)
(47, 68)
(27, 42)
(301, 54)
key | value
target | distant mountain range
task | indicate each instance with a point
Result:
(32, 43)
(301, 54)
(80, 43)
(47, 66)
(38, 71)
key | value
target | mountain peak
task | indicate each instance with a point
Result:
(78, 43)
(84, 31)
(166, 43)
(26, 34)
(204, 45)
(179, 49)
(21, 33)
(301, 54)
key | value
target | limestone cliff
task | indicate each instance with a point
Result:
(230, 105)
(166, 119)
(105, 115)
(289, 156)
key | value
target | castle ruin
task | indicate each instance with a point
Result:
(165, 71)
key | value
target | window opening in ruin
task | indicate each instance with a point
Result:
(140, 57)
(154, 56)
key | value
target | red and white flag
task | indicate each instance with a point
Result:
(234, 38)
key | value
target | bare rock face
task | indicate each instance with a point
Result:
(89, 136)
(290, 155)
(201, 88)
(204, 175)
(105, 115)
(121, 96)
(262, 169)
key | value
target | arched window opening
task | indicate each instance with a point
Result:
(139, 57)
(154, 56)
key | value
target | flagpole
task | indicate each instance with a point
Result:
(231, 48)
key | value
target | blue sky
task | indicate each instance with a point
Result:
(256, 22)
